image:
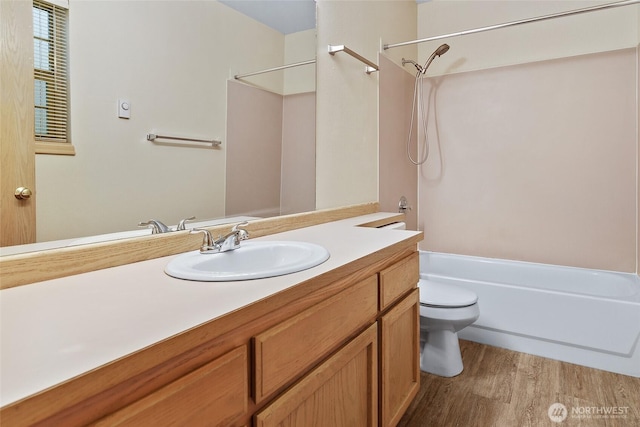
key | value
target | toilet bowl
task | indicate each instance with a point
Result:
(444, 310)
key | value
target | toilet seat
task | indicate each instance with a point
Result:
(436, 294)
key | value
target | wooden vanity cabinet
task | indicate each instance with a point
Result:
(338, 350)
(349, 360)
(343, 389)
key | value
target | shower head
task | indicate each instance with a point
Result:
(441, 50)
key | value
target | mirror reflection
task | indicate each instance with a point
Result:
(173, 62)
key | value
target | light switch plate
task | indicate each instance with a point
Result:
(124, 109)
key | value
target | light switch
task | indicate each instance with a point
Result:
(124, 109)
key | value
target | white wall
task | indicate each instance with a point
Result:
(171, 60)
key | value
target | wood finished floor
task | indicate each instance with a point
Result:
(503, 388)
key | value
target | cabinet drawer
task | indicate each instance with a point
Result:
(213, 395)
(285, 351)
(397, 280)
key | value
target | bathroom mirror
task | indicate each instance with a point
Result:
(174, 62)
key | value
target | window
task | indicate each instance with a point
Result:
(51, 83)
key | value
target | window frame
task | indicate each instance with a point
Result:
(57, 9)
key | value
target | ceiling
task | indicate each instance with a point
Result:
(286, 16)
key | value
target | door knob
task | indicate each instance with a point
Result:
(22, 193)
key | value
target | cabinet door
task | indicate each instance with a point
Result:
(342, 391)
(213, 395)
(400, 364)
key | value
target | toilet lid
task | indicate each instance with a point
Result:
(445, 295)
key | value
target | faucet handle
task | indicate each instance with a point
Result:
(242, 234)
(182, 224)
(208, 243)
(403, 205)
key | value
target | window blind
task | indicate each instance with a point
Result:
(51, 85)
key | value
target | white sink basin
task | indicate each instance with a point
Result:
(253, 260)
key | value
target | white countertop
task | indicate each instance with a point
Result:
(55, 330)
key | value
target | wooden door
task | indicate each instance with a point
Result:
(400, 358)
(17, 145)
(341, 392)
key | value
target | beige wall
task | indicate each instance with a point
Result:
(270, 152)
(171, 60)
(347, 105)
(298, 190)
(398, 176)
(254, 151)
(535, 158)
(536, 162)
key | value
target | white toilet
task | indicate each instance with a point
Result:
(444, 310)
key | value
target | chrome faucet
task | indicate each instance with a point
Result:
(228, 242)
(157, 227)
(182, 224)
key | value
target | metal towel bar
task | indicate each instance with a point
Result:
(370, 66)
(152, 137)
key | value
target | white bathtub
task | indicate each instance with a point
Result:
(581, 316)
